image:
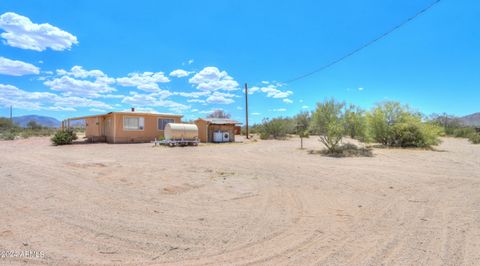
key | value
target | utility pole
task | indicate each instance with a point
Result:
(246, 110)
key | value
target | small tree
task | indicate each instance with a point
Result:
(328, 122)
(355, 122)
(218, 114)
(302, 123)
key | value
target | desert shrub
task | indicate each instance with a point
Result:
(276, 128)
(463, 132)
(475, 138)
(328, 122)
(355, 123)
(414, 134)
(63, 137)
(8, 135)
(394, 125)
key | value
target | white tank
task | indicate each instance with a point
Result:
(180, 131)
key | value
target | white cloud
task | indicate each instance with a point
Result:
(360, 89)
(17, 68)
(305, 107)
(255, 113)
(279, 110)
(239, 108)
(153, 99)
(286, 100)
(11, 95)
(219, 99)
(212, 79)
(80, 72)
(83, 88)
(272, 91)
(22, 33)
(252, 90)
(195, 101)
(195, 94)
(146, 81)
(190, 61)
(179, 73)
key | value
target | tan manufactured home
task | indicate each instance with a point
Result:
(125, 127)
(216, 129)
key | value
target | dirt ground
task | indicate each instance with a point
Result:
(264, 202)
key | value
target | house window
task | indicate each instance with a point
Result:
(133, 123)
(163, 122)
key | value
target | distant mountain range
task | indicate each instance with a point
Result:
(45, 121)
(472, 120)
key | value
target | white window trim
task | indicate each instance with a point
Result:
(126, 129)
(158, 122)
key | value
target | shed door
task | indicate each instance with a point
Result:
(108, 127)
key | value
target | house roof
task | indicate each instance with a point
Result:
(126, 112)
(221, 121)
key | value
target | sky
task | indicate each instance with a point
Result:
(72, 58)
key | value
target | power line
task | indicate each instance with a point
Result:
(385, 34)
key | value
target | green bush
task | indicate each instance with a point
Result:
(276, 128)
(8, 135)
(394, 125)
(414, 134)
(463, 132)
(475, 138)
(328, 122)
(63, 137)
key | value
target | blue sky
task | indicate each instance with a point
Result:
(72, 58)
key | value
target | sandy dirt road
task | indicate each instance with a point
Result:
(264, 202)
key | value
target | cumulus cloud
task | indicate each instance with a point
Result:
(22, 33)
(153, 100)
(286, 100)
(195, 94)
(146, 81)
(17, 68)
(80, 72)
(81, 82)
(11, 95)
(179, 73)
(195, 101)
(219, 98)
(272, 91)
(76, 87)
(212, 79)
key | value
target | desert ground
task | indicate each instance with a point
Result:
(257, 202)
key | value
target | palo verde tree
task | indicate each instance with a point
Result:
(355, 122)
(328, 121)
